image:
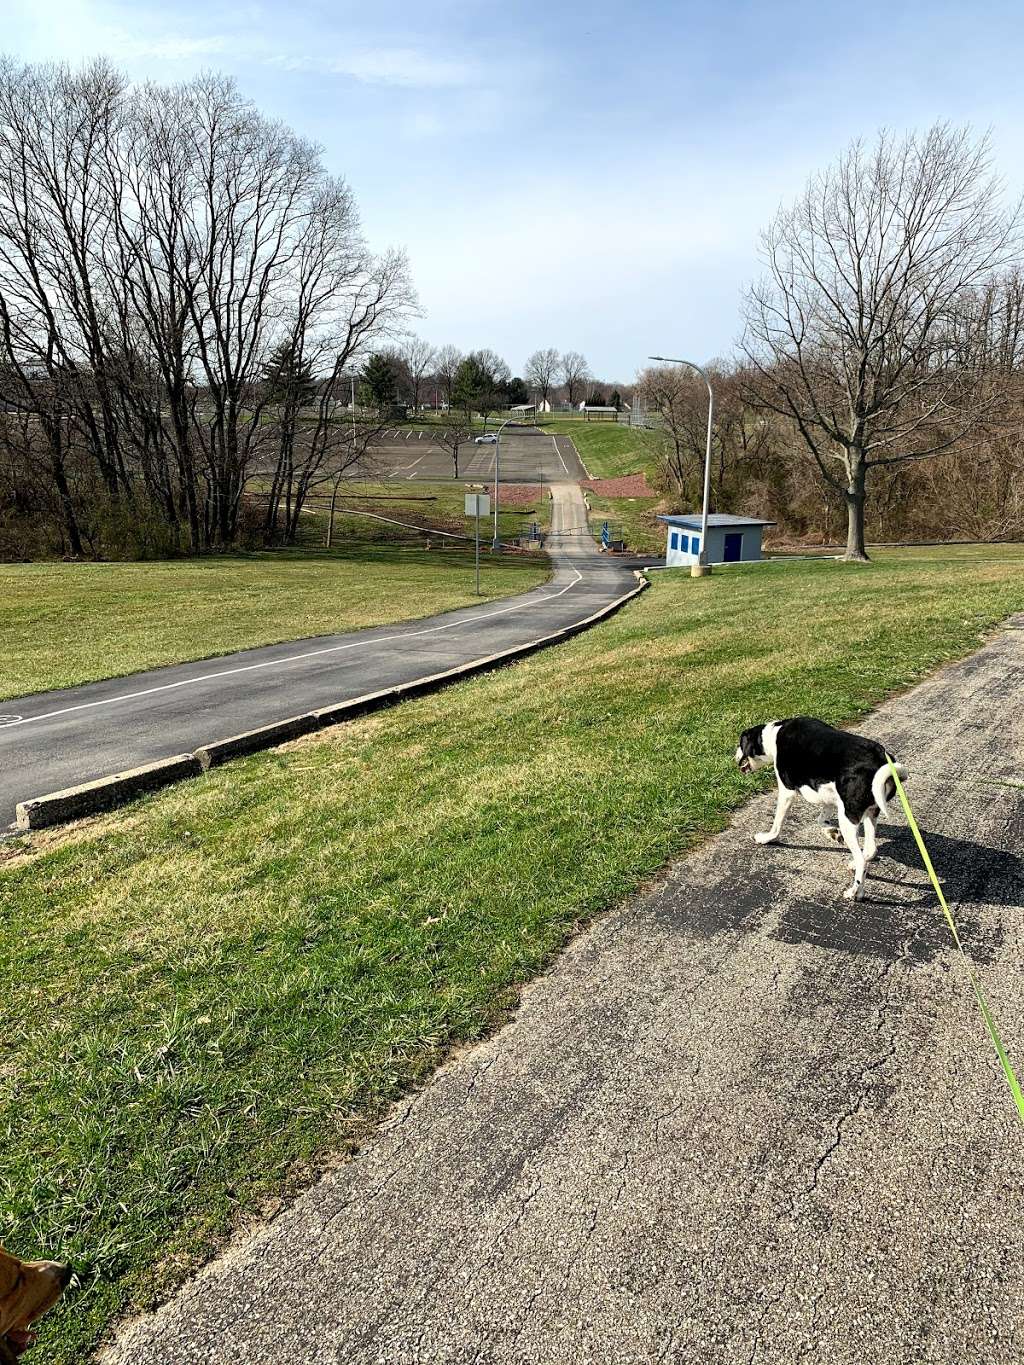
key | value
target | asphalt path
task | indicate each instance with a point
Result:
(741, 1120)
(54, 740)
(527, 456)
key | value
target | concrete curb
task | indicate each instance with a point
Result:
(57, 808)
(104, 793)
(251, 741)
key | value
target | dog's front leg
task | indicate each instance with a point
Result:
(784, 801)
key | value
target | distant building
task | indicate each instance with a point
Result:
(598, 412)
(730, 539)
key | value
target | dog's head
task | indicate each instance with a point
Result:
(27, 1290)
(750, 754)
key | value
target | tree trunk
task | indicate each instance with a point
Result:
(855, 548)
(67, 507)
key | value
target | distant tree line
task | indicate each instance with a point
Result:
(184, 292)
(421, 376)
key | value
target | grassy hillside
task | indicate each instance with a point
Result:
(73, 623)
(609, 449)
(633, 517)
(212, 989)
(439, 506)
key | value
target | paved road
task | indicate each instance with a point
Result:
(73, 736)
(527, 456)
(740, 1121)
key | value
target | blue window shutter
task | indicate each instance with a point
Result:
(695, 545)
(686, 543)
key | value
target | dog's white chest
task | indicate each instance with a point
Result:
(825, 795)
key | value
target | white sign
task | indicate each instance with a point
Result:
(478, 504)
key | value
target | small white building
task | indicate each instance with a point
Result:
(730, 539)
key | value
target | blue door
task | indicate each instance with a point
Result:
(733, 546)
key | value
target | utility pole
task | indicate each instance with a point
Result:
(702, 567)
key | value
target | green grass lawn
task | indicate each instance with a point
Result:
(65, 624)
(634, 517)
(609, 449)
(439, 506)
(211, 991)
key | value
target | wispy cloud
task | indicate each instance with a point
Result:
(171, 48)
(412, 67)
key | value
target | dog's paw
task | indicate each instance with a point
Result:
(852, 893)
(768, 838)
(834, 833)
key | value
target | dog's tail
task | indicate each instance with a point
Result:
(883, 788)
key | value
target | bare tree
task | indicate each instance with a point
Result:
(446, 367)
(852, 333)
(158, 247)
(419, 356)
(457, 432)
(674, 395)
(542, 371)
(575, 374)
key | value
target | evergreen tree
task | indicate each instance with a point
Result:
(288, 379)
(380, 381)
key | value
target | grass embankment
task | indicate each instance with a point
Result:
(633, 518)
(210, 989)
(609, 449)
(66, 624)
(437, 507)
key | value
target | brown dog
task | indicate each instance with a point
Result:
(27, 1290)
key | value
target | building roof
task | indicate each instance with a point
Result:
(715, 519)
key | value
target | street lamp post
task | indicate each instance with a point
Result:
(496, 543)
(702, 566)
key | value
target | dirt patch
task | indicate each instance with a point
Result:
(522, 494)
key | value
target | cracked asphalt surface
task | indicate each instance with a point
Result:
(740, 1120)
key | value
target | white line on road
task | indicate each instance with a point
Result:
(413, 467)
(559, 454)
(295, 658)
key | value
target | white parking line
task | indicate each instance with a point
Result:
(295, 658)
(413, 467)
(559, 454)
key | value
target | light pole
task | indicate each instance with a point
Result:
(496, 543)
(702, 566)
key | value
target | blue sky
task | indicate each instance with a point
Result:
(586, 176)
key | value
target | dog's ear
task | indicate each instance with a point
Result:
(751, 741)
(10, 1274)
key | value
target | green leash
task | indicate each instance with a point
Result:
(993, 1032)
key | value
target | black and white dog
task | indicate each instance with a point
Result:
(827, 767)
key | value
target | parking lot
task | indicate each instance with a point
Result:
(527, 456)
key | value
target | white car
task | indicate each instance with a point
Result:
(487, 439)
